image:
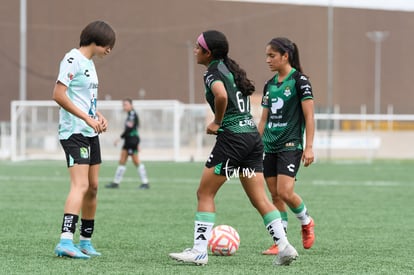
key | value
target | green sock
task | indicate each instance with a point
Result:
(284, 216)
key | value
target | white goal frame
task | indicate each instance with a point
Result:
(174, 131)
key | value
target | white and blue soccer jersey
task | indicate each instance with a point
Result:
(78, 74)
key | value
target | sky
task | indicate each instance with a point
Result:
(396, 5)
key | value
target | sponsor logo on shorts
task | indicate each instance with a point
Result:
(84, 153)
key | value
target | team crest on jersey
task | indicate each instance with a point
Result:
(287, 91)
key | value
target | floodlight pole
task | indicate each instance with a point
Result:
(329, 75)
(23, 50)
(377, 37)
(191, 84)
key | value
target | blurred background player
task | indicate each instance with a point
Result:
(76, 92)
(130, 147)
(287, 111)
(238, 146)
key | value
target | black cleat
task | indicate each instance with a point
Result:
(112, 185)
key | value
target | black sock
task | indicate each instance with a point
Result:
(69, 223)
(86, 228)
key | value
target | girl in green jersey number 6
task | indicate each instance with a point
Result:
(287, 111)
(238, 148)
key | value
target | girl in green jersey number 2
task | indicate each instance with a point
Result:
(287, 111)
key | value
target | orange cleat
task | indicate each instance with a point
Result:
(273, 250)
(308, 234)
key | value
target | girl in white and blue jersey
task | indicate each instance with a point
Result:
(80, 123)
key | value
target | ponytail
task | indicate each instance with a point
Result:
(216, 43)
(294, 59)
(245, 85)
(284, 45)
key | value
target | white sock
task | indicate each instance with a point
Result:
(202, 233)
(66, 235)
(303, 217)
(142, 173)
(119, 173)
(285, 225)
(82, 238)
(278, 234)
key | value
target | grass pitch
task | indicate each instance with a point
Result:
(363, 213)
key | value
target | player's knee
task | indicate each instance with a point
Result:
(92, 190)
(203, 194)
(285, 195)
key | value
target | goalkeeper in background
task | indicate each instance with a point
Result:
(130, 147)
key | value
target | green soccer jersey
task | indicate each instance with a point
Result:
(237, 117)
(131, 125)
(285, 123)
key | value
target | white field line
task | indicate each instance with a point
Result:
(4, 178)
(65, 178)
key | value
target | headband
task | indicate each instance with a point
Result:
(202, 42)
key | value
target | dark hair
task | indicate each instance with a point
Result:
(128, 100)
(98, 32)
(283, 45)
(219, 47)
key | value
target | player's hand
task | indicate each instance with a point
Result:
(212, 128)
(96, 125)
(103, 122)
(308, 156)
(116, 141)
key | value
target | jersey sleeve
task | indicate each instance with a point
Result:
(210, 77)
(304, 87)
(68, 69)
(265, 97)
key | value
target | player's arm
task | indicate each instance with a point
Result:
(263, 120)
(220, 105)
(265, 111)
(59, 95)
(308, 113)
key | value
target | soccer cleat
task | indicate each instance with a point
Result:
(87, 248)
(308, 234)
(112, 185)
(190, 255)
(65, 248)
(273, 250)
(144, 186)
(286, 256)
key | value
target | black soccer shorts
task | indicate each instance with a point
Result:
(81, 150)
(282, 163)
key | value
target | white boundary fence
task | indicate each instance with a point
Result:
(171, 130)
